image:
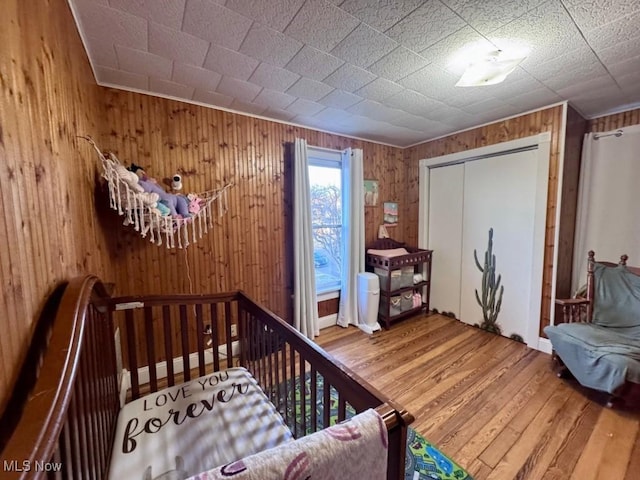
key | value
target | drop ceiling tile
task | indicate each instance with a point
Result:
(102, 53)
(379, 89)
(601, 102)
(626, 67)
(446, 52)
(571, 77)
(483, 106)
(398, 64)
(312, 63)
(431, 22)
(503, 112)
(628, 80)
(340, 99)
(619, 52)
(349, 78)
(177, 45)
(615, 32)
(486, 17)
(414, 102)
(113, 26)
(273, 99)
(534, 99)
(233, 87)
(274, 78)
(556, 65)
(215, 23)
(585, 88)
(309, 121)
(196, 77)
(269, 45)
(229, 62)
(516, 83)
(118, 78)
(212, 98)
(305, 107)
(166, 12)
(144, 63)
(379, 15)
(408, 120)
(434, 82)
(591, 14)
(276, 15)
(277, 114)
(375, 110)
(548, 31)
(364, 46)
(310, 89)
(321, 24)
(334, 117)
(247, 107)
(171, 89)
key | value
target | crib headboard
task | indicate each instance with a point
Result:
(70, 413)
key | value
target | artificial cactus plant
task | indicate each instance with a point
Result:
(490, 298)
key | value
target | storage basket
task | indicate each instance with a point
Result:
(390, 280)
(396, 305)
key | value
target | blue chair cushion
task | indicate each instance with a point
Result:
(598, 357)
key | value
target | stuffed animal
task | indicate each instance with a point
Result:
(194, 203)
(130, 178)
(177, 204)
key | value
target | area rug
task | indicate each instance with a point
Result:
(423, 460)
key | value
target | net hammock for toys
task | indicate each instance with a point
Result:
(147, 219)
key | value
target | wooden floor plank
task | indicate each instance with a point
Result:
(494, 405)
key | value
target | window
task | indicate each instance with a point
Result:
(325, 182)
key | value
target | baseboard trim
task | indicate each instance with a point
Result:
(328, 321)
(544, 345)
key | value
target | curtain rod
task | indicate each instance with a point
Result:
(617, 133)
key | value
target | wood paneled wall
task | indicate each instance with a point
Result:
(49, 231)
(575, 130)
(547, 120)
(612, 122)
(248, 248)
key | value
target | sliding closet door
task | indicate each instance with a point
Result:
(500, 193)
(445, 236)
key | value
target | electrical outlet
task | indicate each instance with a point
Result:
(234, 330)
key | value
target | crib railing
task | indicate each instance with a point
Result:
(169, 339)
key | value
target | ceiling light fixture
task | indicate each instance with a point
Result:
(489, 70)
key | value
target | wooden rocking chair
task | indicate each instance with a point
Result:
(598, 342)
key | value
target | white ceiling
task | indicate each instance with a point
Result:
(373, 69)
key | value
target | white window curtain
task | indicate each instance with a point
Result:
(608, 198)
(353, 231)
(305, 305)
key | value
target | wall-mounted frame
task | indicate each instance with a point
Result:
(390, 211)
(370, 193)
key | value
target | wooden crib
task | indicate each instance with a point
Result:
(60, 422)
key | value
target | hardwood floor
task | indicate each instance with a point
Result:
(493, 405)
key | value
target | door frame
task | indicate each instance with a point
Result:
(540, 142)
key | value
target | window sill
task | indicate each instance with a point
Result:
(330, 295)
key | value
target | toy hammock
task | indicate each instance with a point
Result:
(143, 213)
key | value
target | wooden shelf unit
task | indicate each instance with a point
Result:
(419, 260)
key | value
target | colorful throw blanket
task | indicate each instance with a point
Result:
(354, 449)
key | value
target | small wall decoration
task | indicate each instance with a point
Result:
(390, 214)
(370, 193)
(490, 298)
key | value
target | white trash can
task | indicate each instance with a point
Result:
(368, 301)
